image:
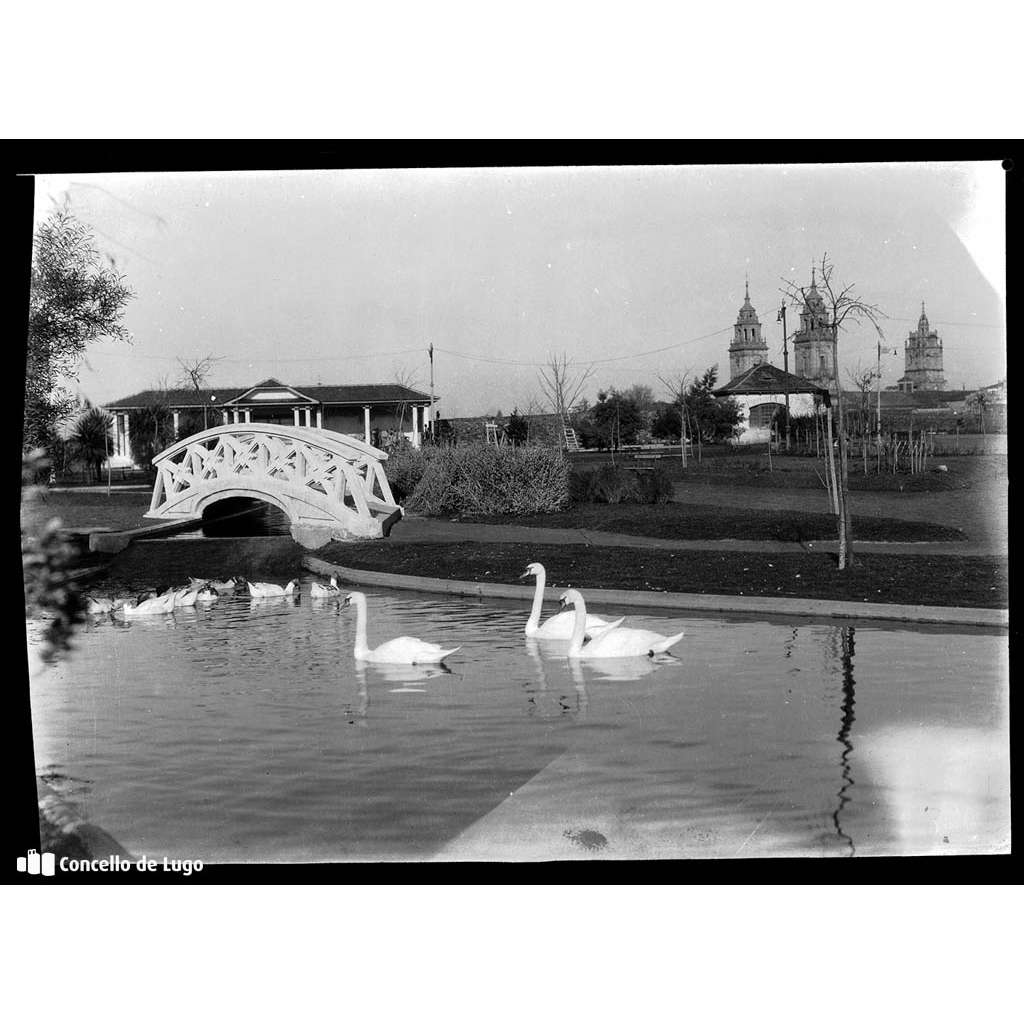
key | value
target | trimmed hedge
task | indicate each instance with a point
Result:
(484, 480)
(613, 485)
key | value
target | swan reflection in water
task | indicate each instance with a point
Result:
(271, 605)
(554, 651)
(402, 678)
(626, 670)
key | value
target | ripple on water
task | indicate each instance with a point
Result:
(250, 732)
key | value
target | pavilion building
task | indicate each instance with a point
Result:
(378, 414)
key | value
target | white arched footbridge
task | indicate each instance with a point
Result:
(331, 486)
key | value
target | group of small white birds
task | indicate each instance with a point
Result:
(589, 636)
(163, 600)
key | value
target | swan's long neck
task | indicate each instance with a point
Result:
(538, 599)
(579, 626)
(361, 646)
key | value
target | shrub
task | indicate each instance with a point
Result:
(404, 469)
(46, 563)
(655, 487)
(581, 483)
(612, 485)
(487, 480)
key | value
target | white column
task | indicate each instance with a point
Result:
(295, 410)
(235, 414)
(248, 415)
(319, 417)
(177, 417)
(415, 426)
(366, 423)
(309, 418)
(224, 415)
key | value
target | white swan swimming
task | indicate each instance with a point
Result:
(161, 605)
(614, 643)
(221, 586)
(273, 589)
(559, 626)
(325, 589)
(403, 650)
(184, 597)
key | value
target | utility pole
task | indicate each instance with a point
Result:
(106, 450)
(785, 364)
(878, 402)
(431, 351)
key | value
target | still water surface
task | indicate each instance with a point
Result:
(246, 732)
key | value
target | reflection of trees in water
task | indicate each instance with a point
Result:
(790, 645)
(845, 643)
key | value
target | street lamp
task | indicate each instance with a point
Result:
(781, 318)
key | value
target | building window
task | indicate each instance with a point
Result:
(761, 415)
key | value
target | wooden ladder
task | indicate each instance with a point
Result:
(572, 442)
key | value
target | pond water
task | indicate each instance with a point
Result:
(246, 732)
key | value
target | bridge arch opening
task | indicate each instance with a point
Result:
(244, 517)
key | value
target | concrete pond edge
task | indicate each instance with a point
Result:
(711, 603)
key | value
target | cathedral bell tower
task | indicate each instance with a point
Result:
(812, 343)
(747, 348)
(923, 359)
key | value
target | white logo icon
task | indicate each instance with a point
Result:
(36, 863)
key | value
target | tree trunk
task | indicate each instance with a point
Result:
(846, 516)
(831, 462)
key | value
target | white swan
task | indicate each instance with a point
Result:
(404, 650)
(221, 586)
(151, 606)
(614, 643)
(325, 589)
(273, 589)
(184, 597)
(560, 626)
(207, 595)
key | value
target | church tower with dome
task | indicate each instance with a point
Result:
(812, 343)
(748, 348)
(923, 359)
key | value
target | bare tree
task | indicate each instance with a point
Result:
(195, 374)
(843, 308)
(405, 378)
(563, 386)
(864, 381)
(530, 409)
(981, 401)
(677, 389)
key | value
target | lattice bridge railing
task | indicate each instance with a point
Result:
(319, 478)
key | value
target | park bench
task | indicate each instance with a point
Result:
(644, 462)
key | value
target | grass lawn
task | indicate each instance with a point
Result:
(968, 582)
(676, 520)
(781, 507)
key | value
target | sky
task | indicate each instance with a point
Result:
(341, 276)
